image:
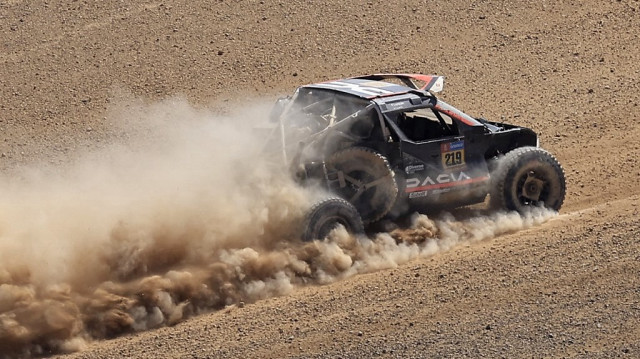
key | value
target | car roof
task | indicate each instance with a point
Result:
(393, 97)
(374, 86)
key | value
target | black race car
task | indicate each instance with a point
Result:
(385, 145)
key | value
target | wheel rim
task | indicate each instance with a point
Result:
(532, 188)
(365, 180)
(360, 192)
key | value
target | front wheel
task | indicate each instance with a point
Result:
(326, 215)
(526, 177)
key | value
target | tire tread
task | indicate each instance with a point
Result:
(511, 160)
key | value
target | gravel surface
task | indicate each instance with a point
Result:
(568, 69)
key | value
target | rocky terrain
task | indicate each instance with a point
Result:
(570, 70)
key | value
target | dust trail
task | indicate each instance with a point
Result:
(184, 214)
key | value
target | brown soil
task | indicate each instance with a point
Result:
(570, 70)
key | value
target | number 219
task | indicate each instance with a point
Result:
(454, 158)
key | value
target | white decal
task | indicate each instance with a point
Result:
(418, 194)
(438, 85)
(413, 168)
(412, 182)
(442, 178)
(364, 90)
(463, 176)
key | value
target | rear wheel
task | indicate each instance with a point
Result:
(328, 214)
(365, 179)
(525, 177)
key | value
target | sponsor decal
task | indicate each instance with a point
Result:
(413, 168)
(440, 190)
(426, 193)
(441, 181)
(452, 154)
(397, 105)
(418, 194)
(452, 146)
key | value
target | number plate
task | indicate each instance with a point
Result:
(452, 154)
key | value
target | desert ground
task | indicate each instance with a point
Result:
(570, 70)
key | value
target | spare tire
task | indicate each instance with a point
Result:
(327, 214)
(365, 179)
(525, 177)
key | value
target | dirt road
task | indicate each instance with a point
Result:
(570, 70)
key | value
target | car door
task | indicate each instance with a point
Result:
(436, 158)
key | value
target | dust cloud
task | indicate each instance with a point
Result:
(184, 213)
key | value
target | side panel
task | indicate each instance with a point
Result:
(440, 171)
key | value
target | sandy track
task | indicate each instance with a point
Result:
(569, 70)
(568, 288)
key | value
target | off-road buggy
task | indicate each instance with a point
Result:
(385, 145)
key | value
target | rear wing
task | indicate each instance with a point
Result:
(431, 83)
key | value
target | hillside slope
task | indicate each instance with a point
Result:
(569, 70)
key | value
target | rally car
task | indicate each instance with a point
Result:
(385, 145)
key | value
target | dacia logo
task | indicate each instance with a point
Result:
(440, 179)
